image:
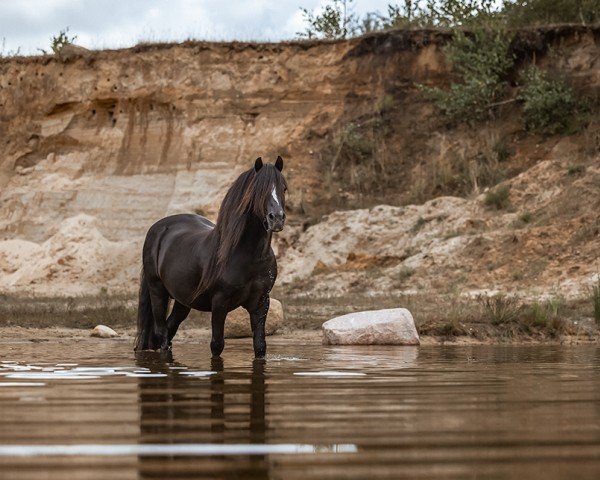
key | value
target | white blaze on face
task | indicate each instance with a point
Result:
(274, 195)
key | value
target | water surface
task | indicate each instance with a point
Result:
(91, 409)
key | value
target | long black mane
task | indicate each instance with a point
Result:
(247, 196)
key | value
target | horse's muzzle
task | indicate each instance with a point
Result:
(275, 222)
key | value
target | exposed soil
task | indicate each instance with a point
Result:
(99, 145)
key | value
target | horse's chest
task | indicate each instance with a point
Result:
(254, 285)
(252, 281)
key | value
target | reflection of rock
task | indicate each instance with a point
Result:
(360, 357)
(237, 324)
(103, 331)
(376, 327)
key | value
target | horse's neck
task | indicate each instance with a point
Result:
(255, 240)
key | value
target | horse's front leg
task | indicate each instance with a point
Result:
(217, 342)
(258, 319)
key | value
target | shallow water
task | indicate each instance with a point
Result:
(94, 410)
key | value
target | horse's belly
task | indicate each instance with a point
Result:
(202, 303)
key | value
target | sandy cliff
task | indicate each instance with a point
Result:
(97, 146)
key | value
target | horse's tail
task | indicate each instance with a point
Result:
(145, 338)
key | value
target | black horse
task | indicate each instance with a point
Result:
(214, 268)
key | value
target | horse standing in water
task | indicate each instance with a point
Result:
(214, 268)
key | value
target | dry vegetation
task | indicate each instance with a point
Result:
(448, 316)
(70, 312)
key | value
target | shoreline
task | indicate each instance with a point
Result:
(19, 334)
(439, 319)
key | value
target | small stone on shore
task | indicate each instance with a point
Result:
(102, 331)
(394, 326)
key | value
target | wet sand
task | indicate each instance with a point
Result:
(201, 336)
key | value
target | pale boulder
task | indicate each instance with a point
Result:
(237, 323)
(394, 326)
(103, 331)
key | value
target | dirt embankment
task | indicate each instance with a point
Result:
(97, 146)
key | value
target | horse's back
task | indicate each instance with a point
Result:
(174, 239)
(183, 221)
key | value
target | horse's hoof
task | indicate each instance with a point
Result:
(216, 348)
(260, 350)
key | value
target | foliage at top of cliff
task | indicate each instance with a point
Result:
(337, 20)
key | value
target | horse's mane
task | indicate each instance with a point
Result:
(248, 195)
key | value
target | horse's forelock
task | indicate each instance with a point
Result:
(248, 194)
(260, 188)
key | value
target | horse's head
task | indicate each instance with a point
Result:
(271, 186)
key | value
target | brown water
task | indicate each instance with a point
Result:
(308, 411)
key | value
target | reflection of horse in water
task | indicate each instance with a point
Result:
(214, 268)
(181, 408)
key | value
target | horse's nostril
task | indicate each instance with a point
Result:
(271, 216)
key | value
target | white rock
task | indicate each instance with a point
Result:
(393, 326)
(103, 331)
(237, 323)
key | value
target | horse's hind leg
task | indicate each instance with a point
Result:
(160, 302)
(178, 315)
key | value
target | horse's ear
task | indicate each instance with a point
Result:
(258, 164)
(279, 163)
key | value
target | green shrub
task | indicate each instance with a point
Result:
(451, 328)
(354, 156)
(526, 217)
(335, 22)
(58, 42)
(548, 104)
(440, 13)
(596, 300)
(418, 224)
(522, 220)
(355, 146)
(481, 60)
(336, 19)
(497, 198)
(500, 309)
(405, 273)
(575, 169)
(521, 13)
(545, 316)
(502, 150)
(385, 104)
